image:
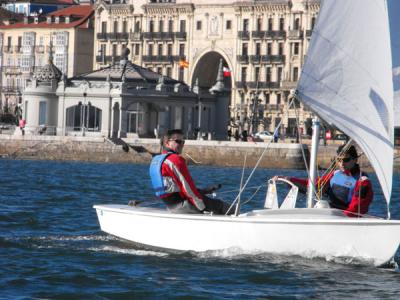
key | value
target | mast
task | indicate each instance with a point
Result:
(313, 162)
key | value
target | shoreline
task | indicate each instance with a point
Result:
(136, 150)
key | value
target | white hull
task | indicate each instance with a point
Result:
(305, 232)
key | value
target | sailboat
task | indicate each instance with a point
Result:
(347, 81)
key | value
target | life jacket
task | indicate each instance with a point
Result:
(157, 180)
(342, 187)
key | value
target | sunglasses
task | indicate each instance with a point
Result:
(180, 142)
(344, 159)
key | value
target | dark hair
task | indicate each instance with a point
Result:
(171, 132)
(350, 151)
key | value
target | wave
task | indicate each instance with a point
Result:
(128, 251)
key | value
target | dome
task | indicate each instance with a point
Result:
(47, 73)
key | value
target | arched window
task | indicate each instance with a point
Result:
(83, 116)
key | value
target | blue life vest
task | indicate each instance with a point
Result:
(157, 179)
(342, 186)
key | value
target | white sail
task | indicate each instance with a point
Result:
(394, 21)
(347, 78)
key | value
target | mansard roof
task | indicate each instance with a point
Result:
(47, 73)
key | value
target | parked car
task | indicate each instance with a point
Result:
(340, 136)
(264, 135)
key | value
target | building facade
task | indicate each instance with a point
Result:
(118, 101)
(25, 46)
(29, 7)
(262, 45)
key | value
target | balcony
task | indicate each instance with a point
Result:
(295, 34)
(12, 70)
(288, 85)
(273, 59)
(258, 34)
(243, 59)
(7, 49)
(244, 35)
(160, 58)
(11, 89)
(255, 59)
(241, 84)
(275, 34)
(136, 36)
(308, 33)
(102, 36)
(180, 35)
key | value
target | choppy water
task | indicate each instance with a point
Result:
(51, 246)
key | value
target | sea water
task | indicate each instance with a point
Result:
(51, 246)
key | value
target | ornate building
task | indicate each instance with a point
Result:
(262, 45)
(25, 47)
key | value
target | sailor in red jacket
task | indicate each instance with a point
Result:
(348, 188)
(173, 183)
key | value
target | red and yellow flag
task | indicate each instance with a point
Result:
(183, 63)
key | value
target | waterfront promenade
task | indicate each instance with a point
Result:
(286, 155)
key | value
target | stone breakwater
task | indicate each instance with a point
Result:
(218, 153)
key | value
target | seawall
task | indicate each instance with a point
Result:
(219, 153)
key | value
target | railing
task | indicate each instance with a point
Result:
(244, 59)
(274, 107)
(160, 58)
(258, 34)
(273, 58)
(255, 59)
(7, 49)
(136, 36)
(244, 35)
(180, 35)
(10, 89)
(12, 69)
(275, 34)
(102, 35)
(18, 49)
(288, 84)
(295, 34)
(308, 33)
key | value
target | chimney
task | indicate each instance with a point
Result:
(48, 20)
(57, 20)
(26, 19)
(67, 19)
(36, 19)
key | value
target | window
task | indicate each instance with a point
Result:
(169, 71)
(267, 97)
(9, 42)
(182, 26)
(137, 26)
(259, 24)
(160, 52)
(42, 112)
(150, 50)
(161, 26)
(103, 27)
(278, 98)
(312, 23)
(295, 73)
(257, 74)
(270, 24)
(115, 26)
(159, 70)
(245, 48)
(268, 74)
(228, 24)
(169, 49)
(279, 75)
(296, 25)
(280, 49)
(181, 50)
(137, 49)
(269, 48)
(114, 50)
(244, 74)
(124, 26)
(246, 25)
(198, 25)
(296, 48)
(170, 25)
(103, 50)
(258, 49)
(281, 24)
(151, 26)
(181, 74)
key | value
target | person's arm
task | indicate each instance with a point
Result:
(362, 198)
(183, 179)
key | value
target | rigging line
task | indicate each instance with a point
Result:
(235, 190)
(261, 156)
(237, 210)
(252, 196)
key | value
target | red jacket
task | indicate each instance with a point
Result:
(178, 179)
(362, 195)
